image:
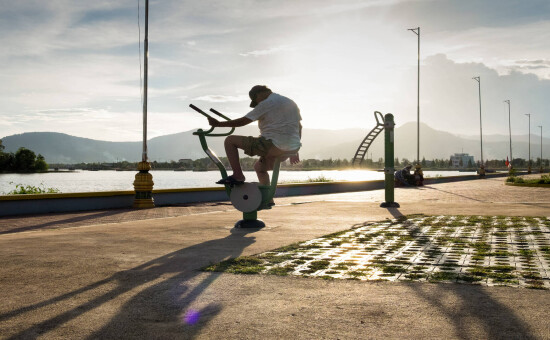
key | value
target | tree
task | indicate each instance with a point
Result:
(40, 163)
(470, 165)
(24, 159)
(2, 147)
(6, 161)
(423, 161)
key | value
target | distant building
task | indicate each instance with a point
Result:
(462, 160)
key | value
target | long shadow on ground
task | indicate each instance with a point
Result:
(82, 219)
(165, 301)
(161, 308)
(475, 307)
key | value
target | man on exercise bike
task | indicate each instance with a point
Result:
(280, 132)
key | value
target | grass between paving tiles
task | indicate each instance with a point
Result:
(490, 250)
(543, 181)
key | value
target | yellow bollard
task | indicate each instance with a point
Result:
(143, 186)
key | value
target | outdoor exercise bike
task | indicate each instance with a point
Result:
(249, 197)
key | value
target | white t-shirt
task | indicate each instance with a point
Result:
(279, 120)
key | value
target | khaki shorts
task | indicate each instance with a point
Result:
(257, 146)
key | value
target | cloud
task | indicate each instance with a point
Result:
(449, 97)
(349, 57)
(539, 61)
(268, 51)
(533, 67)
(526, 65)
(67, 110)
(222, 99)
(497, 47)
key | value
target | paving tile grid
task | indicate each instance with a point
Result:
(485, 250)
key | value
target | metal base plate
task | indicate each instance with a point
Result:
(250, 224)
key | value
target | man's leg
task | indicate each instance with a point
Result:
(261, 167)
(232, 145)
(265, 164)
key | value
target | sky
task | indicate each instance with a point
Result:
(75, 67)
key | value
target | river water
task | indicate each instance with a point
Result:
(110, 180)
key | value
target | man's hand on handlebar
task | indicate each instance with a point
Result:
(295, 159)
(213, 122)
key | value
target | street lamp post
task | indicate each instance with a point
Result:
(541, 168)
(417, 32)
(510, 130)
(480, 125)
(143, 183)
(529, 143)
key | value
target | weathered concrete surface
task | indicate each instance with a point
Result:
(108, 275)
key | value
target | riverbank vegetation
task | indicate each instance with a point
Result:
(22, 189)
(23, 160)
(247, 163)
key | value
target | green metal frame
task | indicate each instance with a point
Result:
(389, 166)
(268, 191)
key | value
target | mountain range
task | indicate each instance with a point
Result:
(317, 143)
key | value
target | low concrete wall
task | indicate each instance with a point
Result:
(53, 203)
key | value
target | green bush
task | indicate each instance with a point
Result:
(21, 189)
(321, 178)
(519, 180)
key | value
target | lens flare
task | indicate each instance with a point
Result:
(191, 317)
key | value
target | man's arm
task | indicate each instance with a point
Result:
(296, 159)
(229, 123)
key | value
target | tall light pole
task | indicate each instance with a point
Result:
(529, 162)
(143, 183)
(540, 126)
(417, 32)
(480, 127)
(510, 130)
(145, 79)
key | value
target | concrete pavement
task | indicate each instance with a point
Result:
(134, 274)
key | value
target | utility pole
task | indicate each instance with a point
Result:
(510, 130)
(480, 127)
(541, 167)
(143, 183)
(417, 32)
(529, 162)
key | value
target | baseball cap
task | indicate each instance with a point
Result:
(254, 92)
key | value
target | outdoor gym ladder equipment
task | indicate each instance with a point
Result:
(250, 197)
(367, 141)
(387, 124)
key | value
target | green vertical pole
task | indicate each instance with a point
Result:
(389, 180)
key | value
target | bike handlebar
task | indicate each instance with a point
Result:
(209, 132)
(200, 111)
(219, 114)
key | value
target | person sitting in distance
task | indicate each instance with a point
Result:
(280, 132)
(403, 176)
(418, 175)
